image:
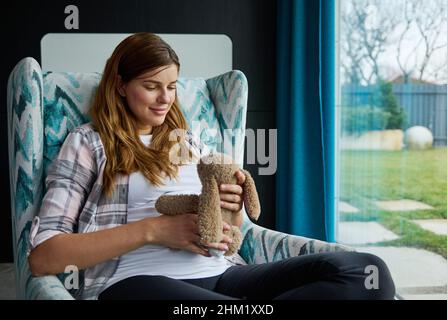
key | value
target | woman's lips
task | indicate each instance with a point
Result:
(159, 111)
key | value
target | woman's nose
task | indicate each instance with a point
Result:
(163, 97)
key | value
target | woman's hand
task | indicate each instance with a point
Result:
(223, 245)
(231, 195)
(175, 232)
(180, 232)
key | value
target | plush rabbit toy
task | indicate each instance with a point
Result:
(213, 170)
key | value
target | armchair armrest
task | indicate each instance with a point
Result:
(25, 139)
(46, 288)
(264, 245)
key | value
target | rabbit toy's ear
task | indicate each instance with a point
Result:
(251, 198)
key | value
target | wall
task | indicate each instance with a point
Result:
(200, 55)
(250, 24)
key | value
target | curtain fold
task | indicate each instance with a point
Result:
(306, 118)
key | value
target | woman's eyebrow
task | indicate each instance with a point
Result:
(158, 82)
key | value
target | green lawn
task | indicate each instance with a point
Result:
(383, 175)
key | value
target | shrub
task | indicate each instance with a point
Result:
(356, 120)
(384, 98)
(379, 111)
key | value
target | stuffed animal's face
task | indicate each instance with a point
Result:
(215, 164)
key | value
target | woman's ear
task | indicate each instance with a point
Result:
(121, 87)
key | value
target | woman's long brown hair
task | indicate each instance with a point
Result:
(116, 124)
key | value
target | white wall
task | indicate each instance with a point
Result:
(201, 55)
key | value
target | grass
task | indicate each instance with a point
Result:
(367, 176)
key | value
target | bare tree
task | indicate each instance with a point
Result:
(353, 54)
(421, 39)
(430, 21)
(414, 30)
(365, 31)
(405, 58)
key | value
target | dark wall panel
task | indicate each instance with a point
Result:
(251, 24)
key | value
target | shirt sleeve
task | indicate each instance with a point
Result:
(68, 183)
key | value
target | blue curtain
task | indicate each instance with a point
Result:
(306, 118)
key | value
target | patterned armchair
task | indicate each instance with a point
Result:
(44, 107)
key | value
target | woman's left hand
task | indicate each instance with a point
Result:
(231, 195)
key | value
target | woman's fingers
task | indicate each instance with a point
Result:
(236, 207)
(231, 188)
(199, 250)
(230, 197)
(227, 239)
(240, 175)
(193, 242)
(226, 226)
(193, 217)
(219, 246)
(222, 245)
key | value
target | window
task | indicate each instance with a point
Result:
(392, 138)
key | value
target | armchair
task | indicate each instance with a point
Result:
(42, 108)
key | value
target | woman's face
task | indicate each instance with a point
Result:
(151, 95)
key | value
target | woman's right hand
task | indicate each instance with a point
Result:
(175, 232)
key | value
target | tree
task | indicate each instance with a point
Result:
(403, 57)
(387, 102)
(413, 31)
(364, 38)
(420, 39)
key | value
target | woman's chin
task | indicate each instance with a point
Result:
(156, 122)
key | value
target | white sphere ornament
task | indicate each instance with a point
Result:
(418, 138)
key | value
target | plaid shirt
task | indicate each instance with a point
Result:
(75, 202)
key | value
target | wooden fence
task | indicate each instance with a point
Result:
(424, 105)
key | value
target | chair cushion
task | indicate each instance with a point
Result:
(66, 100)
(199, 110)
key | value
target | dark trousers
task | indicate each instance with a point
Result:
(326, 276)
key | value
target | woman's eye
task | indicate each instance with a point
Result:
(151, 88)
(172, 88)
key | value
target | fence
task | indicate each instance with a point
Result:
(424, 105)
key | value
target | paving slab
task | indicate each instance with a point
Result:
(402, 205)
(438, 226)
(411, 267)
(355, 233)
(346, 207)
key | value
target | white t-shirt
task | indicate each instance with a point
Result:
(160, 260)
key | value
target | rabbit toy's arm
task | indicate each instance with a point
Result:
(177, 204)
